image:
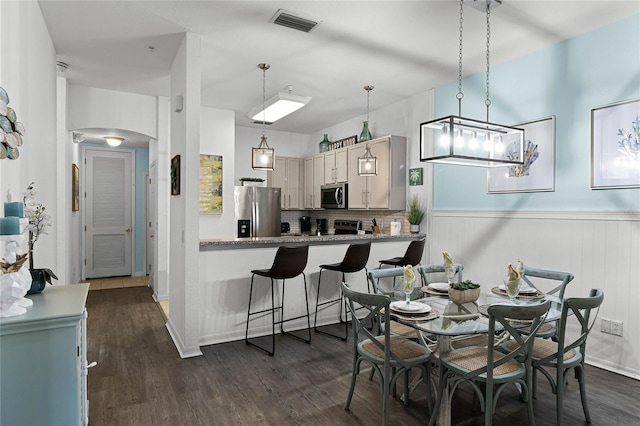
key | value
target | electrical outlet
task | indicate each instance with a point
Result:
(605, 325)
(616, 328)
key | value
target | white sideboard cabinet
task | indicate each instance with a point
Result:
(43, 360)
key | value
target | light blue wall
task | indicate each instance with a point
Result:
(565, 80)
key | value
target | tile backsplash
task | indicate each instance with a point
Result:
(383, 218)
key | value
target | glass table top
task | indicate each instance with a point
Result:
(455, 320)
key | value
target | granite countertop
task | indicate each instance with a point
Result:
(226, 243)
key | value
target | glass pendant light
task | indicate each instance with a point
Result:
(262, 155)
(365, 135)
(455, 139)
(367, 164)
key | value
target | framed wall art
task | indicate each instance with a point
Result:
(75, 188)
(615, 145)
(415, 176)
(210, 184)
(175, 175)
(537, 174)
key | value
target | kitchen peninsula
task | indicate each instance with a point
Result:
(225, 277)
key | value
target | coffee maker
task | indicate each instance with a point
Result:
(305, 225)
(322, 227)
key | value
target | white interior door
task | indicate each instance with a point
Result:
(108, 221)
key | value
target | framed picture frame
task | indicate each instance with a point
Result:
(615, 145)
(538, 172)
(210, 184)
(415, 176)
(75, 188)
(175, 175)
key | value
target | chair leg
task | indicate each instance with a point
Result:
(273, 322)
(583, 393)
(282, 320)
(343, 305)
(354, 373)
(560, 384)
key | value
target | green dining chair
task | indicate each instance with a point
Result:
(489, 371)
(547, 282)
(567, 353)
(374, 277)
(391, 356)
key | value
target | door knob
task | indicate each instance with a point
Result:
(128, 230)
(152, 235)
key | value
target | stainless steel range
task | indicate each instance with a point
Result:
(346, 227)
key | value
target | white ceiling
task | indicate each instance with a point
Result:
(400, 47)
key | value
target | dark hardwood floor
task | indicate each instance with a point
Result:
(141, 380)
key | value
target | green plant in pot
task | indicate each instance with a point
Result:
(251, 181)
(464, 292)
(39, 221)
(415, 213)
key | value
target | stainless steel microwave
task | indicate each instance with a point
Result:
(334, 196)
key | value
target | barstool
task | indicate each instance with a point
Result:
(412, 257)
(355, 260)
(288, 263)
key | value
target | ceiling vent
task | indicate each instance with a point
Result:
(297, 22)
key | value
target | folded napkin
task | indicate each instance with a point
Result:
(447, 258)
(408, 274)
(512, 274)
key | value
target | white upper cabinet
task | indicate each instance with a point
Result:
(314, 177)
(386, 190)
(287, 175)
(336, 166)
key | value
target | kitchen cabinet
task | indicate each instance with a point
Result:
(386, 190)
(287, 175)
(314, 177)
(335, 166)
(43, 359)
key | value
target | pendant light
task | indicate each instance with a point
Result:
(262, 155)
(365, 135)
(367, 164)
(468, 142)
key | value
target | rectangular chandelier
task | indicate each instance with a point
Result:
(467, 142)
(278, 106)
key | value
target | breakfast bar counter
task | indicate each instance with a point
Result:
(297, 239)
(225, 267)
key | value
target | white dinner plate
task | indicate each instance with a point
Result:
(413, 307)
(439, 286)
(523, 290)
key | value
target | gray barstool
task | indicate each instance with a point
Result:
(288, 263)
(355, 260)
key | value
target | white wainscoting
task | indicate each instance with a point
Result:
(601, 249)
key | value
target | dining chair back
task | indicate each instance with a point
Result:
(568, 353)
(391, 356)
(289, 262)
(426, 272)
(542, 280)
(355, 260)
(374, 277)
(489, 371)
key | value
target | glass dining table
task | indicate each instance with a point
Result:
(446, 323)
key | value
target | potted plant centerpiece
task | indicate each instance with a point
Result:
(39, 221)
(464, 292)
(415, 214)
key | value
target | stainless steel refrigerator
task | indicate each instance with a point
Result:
(257, 211)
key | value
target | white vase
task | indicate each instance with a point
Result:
(414, 229)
